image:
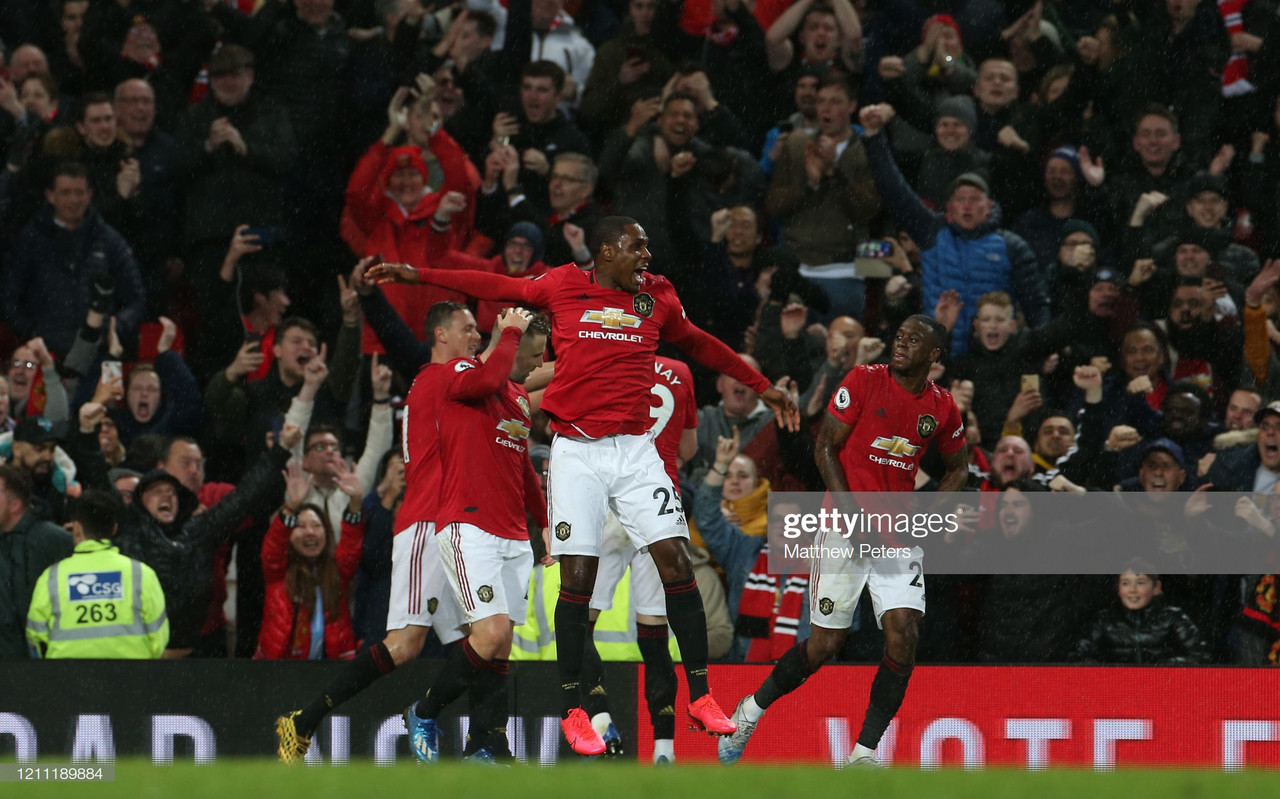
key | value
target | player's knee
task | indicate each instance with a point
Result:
(671, 556)
(488, 640)
(822, 646)
(578, 573)
(901, 635)
(405, 644)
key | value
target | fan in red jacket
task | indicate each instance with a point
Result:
(306, 614)
(521, 255)
(390, 199)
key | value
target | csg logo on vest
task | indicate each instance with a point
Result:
(94, 586)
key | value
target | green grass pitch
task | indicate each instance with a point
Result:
(247, 779)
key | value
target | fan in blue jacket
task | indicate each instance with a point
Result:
(962, 249)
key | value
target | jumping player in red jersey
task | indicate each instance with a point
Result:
(607, 322)
(675, 425)
(878, 425)
(483, 419)
(419, 596)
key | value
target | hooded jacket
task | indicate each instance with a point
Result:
(381, 226)
(182, 551)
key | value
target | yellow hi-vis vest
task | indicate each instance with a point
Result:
(615, 629)
(98, 604)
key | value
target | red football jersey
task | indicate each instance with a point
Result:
(891, 428)
(420, 442)
(484, 425)
(676, 410)
(605, 340)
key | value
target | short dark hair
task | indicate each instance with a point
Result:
(259, 278)
(98, 512)
(1194, 389)
(1156, 110)
(318, 430)
(1140, 566)
(486, 24)
(545, 69)
(820, 7)
(539, 324)
(440, 314)
(146, 452)
(671, 98)
(46, 80)
(16, 482)
(168, 446)
(938, 329)
(68, 169)
(93, 98)
(300, 322)
(691, 67)
(608, 231)
(839, 81)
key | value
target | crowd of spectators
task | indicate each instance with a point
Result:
(1085, 192)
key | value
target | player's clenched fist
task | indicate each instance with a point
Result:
(514, 317)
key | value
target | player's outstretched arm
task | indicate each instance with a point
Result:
(826, 452)
(481, 285)
(712, 353)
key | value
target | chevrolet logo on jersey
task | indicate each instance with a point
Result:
(514, 428)
(611, 318)
(896, 446)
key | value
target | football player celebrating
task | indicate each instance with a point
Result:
(608, 321)
(487, 483)
(878, 425)
(419, 599)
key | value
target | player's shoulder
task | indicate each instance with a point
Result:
(866, 374)
(458, 365)
(939, 394)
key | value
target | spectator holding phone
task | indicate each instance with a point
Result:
(628, 67)
(160, 397)
(392, 195)
(235, 150)
(246, 303)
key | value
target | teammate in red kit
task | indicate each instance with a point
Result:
(675, 424)
(483, 418)
(608, 321)
(878, 425)
(419, 594)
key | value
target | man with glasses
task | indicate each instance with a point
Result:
(322, 451)
(571, 190)
(49, 399)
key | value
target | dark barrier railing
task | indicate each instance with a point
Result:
(971, 716)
